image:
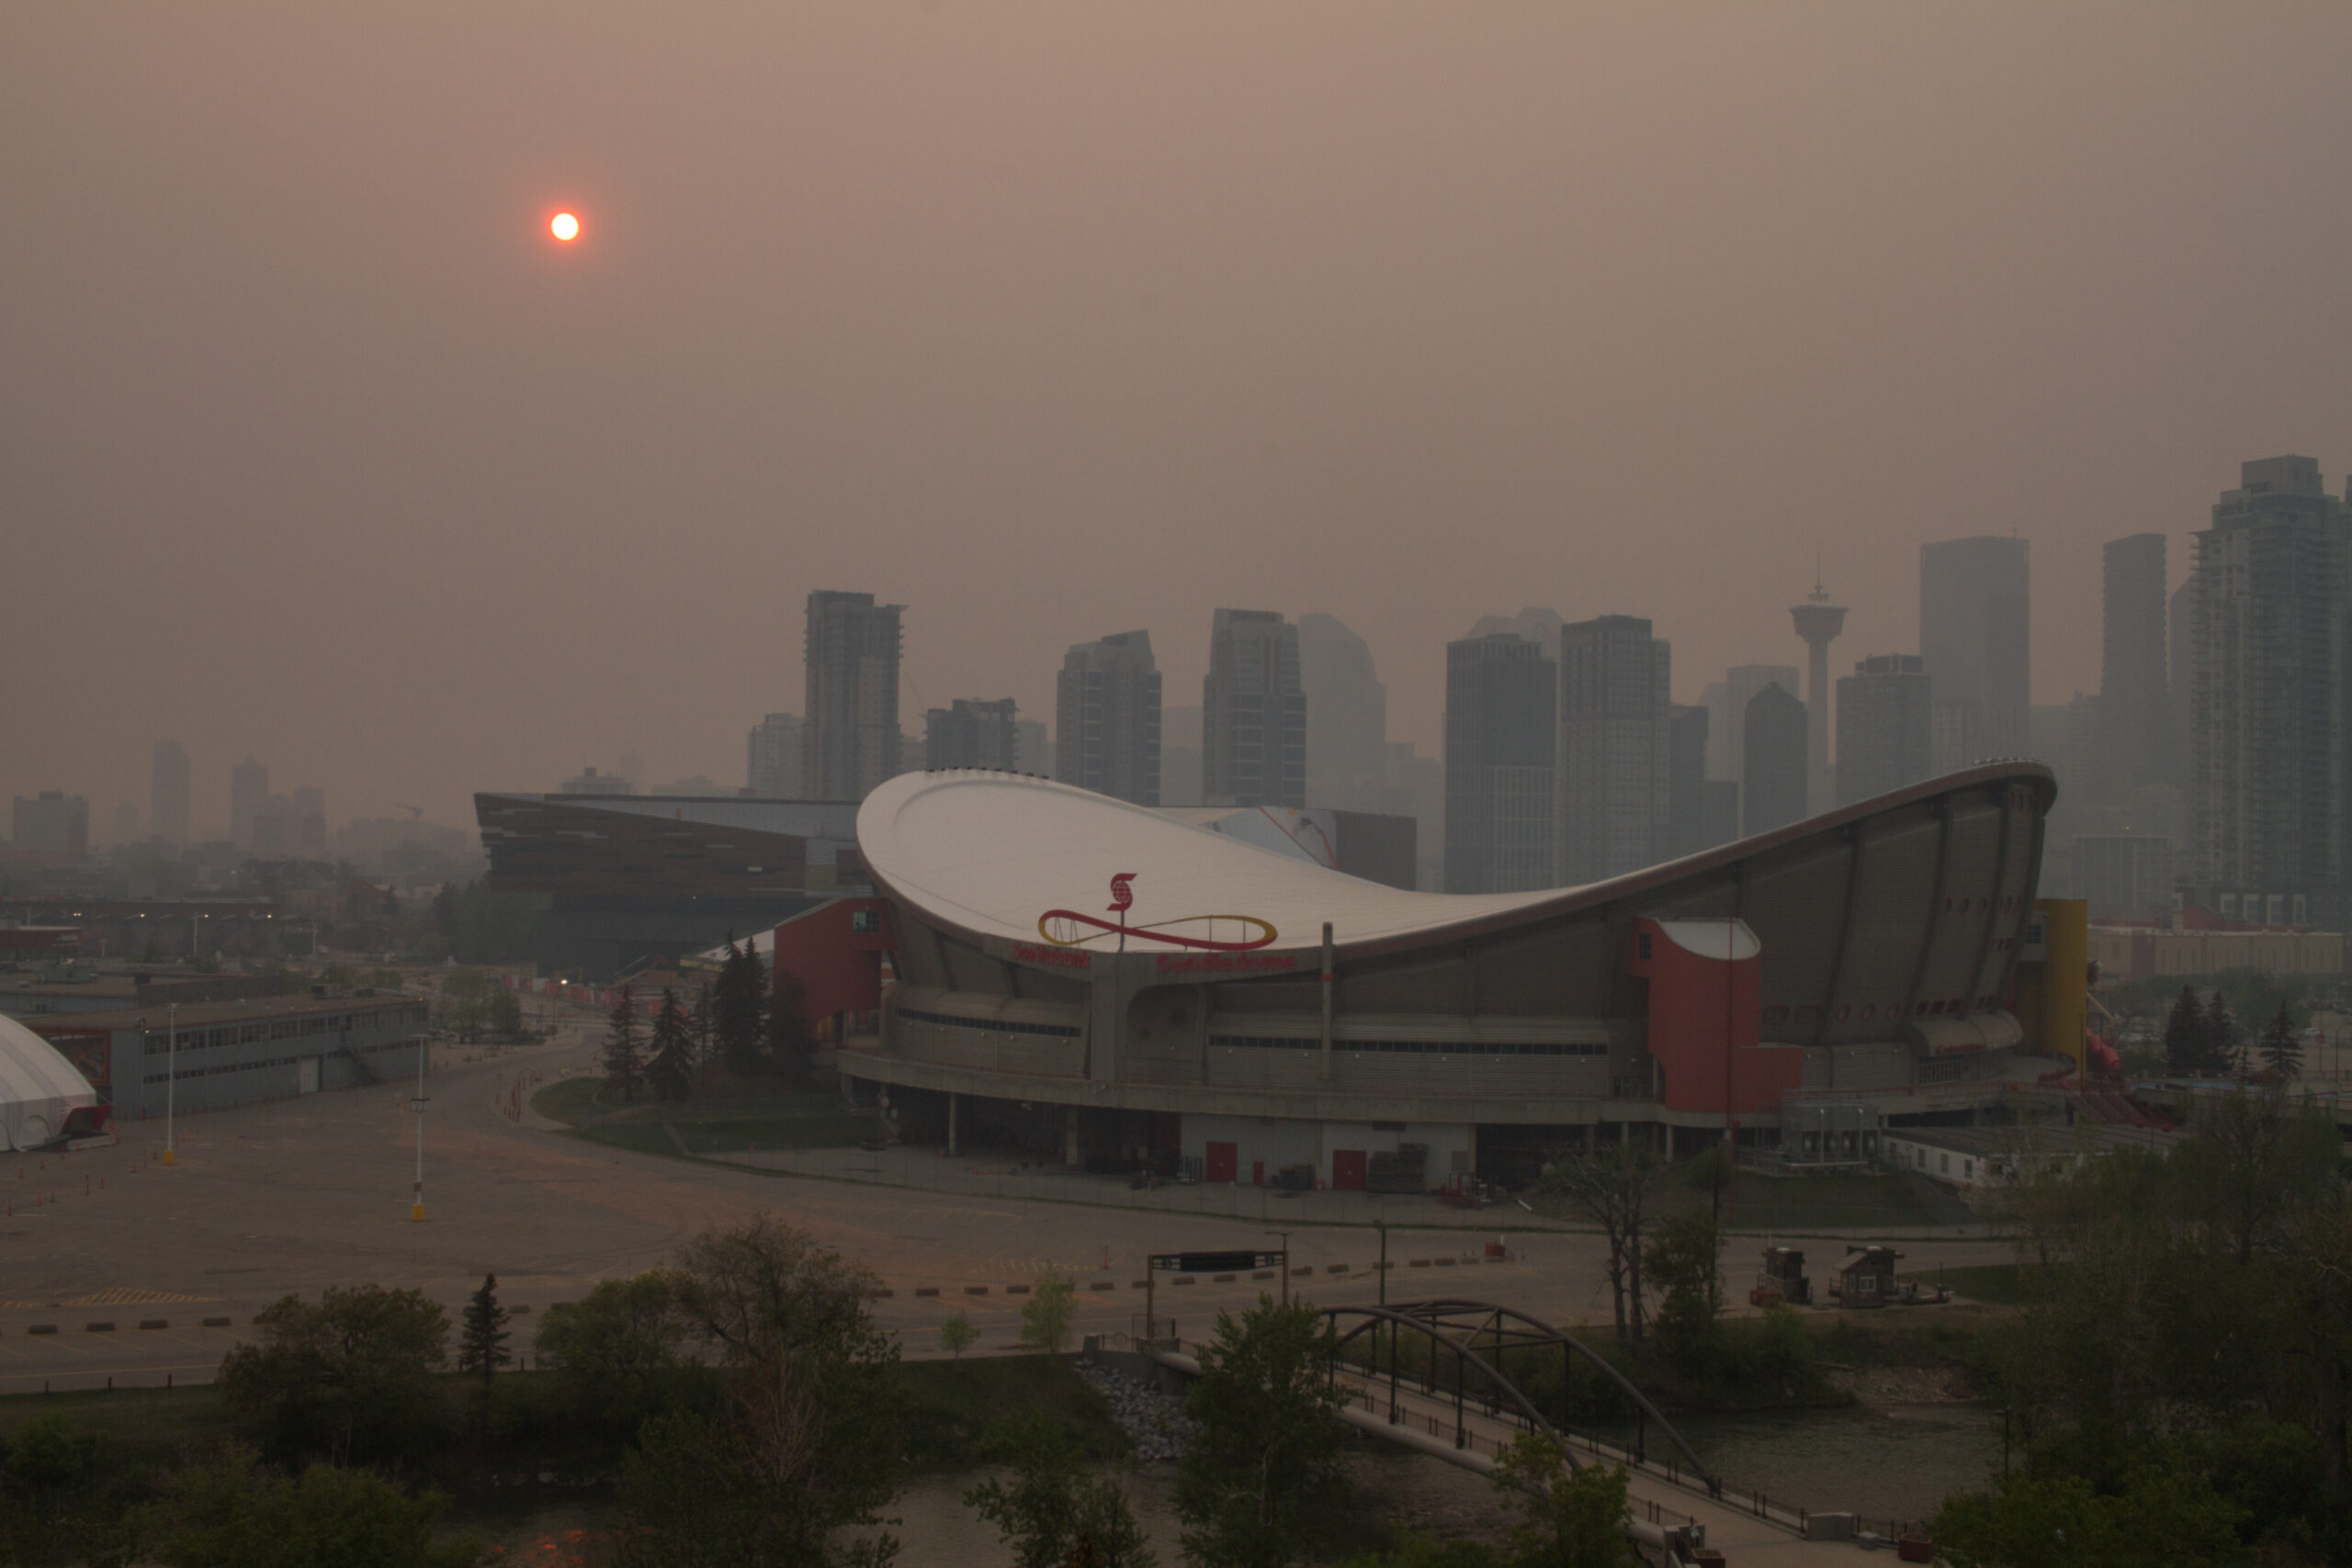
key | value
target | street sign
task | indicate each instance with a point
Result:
(1215, 1262)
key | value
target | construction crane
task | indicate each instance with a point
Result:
(414, 812)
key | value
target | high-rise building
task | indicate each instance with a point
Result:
(1818, 622)
(2126, 876)
(772, 757)
(1347, 733)
(1106, 717)
(1885, 711)
(2135, 714)
(273, 829)
(1727, 700)
(1616, 749)
(1501, 728)
(1180, 755)
(2180, 637)
(973, 733)
(1033, 747)
(167, 793)
(307, 822)
(2267, 817)
(1253, 713)
(1777, 734)
(849, 738)
(1975, 639)
(1686, 781)
(51, 824)
(248, 788)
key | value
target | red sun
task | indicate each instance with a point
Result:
(564, 226)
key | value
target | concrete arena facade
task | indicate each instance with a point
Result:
(1867, 953)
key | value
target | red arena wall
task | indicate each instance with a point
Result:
(1704, 1019)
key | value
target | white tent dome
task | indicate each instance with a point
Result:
(38, 1087)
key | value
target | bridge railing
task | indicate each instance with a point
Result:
(1365, 1393)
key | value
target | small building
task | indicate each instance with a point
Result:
(1866, 1278)
(1972, 1158)
(231, 1053)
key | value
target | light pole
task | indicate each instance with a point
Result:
(417, 1208)
(1285, 1235)
(171, 1083)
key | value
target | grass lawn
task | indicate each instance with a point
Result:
(2003, 1284)
(147, 1423)
(567, 1100)
(731, 1125)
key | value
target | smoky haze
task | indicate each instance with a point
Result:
(1054, 320)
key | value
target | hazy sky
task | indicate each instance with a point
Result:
(1052, 321)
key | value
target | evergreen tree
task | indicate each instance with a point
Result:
(2185, 1034)
(624, 1055)
(703, 1024)
(481, 1343)
(2220, 1037)
(2282, 1052)
(742, 1007)
(670, 1069)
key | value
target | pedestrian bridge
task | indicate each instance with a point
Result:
(1447, 1377)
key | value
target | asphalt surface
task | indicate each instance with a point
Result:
(294, 1196)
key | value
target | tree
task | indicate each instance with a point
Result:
(617, 1348)
(805, 1445)
(957, 1335)
(703, 1024)
(1267, 1456)
(791, 1041)
(741, 1008)
(54, 1498)
(505, 1013)
(2184, 1035)
(348, 1378)
(1612, 1186)
(624, 1058)
(2028, 1521)
(234, 1514)
(1568, 1517)
(481, 1341)
(1051, 1514)
(1045, 1317)
(671, 1070)
(1684, 1257)
(2282, 1052)
(2220, 1037)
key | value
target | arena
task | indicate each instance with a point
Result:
(1080, 976)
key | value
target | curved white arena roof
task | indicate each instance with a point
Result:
(992, 852)
(38, 1086)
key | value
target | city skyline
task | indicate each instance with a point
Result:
(509, 508)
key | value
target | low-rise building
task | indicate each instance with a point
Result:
(214, 1055)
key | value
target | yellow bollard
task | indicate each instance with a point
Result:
(171, 1156)
(416, 1213)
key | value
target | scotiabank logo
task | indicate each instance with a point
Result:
(1068, 929)
(1195, 963)
(1030, 952)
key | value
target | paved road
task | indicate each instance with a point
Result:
(300, 1195)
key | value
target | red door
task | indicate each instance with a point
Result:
(1257, 1173)
(1347, 1170)
(1222, 1162)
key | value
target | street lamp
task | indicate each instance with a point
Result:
(171, 1083)
(416, 1207)
(1285, 1235)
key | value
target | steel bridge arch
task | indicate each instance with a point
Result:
(1438, 1321)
